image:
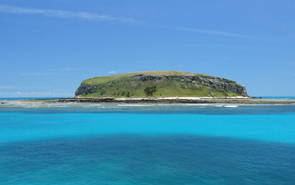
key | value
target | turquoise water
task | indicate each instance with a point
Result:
(125, 144)
(277, 97)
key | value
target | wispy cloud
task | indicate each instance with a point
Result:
(109, 18)
(38, 94)
(212, 32)
(64, 14)
(112, 72)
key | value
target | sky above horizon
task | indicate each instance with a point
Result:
(48, 47)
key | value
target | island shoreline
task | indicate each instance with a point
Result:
(169, 100)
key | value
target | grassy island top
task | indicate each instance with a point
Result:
(159, 84)
(104, 79)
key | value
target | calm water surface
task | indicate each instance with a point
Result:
(123, 144)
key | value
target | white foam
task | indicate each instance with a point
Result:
(231, 106)
(36, 104)
(28, 104)
(134, 105)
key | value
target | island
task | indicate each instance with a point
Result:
(160, 84)
(162, 87)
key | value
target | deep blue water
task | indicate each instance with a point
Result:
(123, 144)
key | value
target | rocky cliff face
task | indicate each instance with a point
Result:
(165, 84)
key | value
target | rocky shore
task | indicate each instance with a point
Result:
(170, 100)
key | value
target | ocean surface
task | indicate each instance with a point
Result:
(146, 144)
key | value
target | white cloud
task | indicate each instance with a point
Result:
(63, 14)
(212, 32)
(109, 18)
(36, 94)
(112, 72)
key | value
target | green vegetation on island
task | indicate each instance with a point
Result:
(159, 84)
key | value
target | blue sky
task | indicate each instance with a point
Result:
(48, 47)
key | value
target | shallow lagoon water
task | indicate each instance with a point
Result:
(147, 144)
